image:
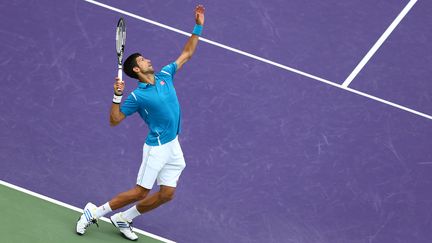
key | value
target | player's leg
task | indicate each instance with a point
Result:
(153, 162)
(135, 194)
(146, 176)
(164, 195)
(167, 180)
(147, 171)
(92, 213)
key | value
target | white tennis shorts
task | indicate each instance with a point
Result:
(163, 163)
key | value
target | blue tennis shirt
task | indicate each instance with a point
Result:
(158, 106)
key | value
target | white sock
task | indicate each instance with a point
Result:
(102, 210)
(131, 213)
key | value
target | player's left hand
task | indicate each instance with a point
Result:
(199, 14)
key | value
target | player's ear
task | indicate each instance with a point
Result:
(136, 69)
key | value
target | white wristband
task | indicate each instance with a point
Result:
(117, 99)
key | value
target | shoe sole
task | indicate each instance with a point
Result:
(123, 235)
(78, 233)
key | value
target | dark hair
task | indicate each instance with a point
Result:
(129, 64)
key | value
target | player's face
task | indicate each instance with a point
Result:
(144, 65)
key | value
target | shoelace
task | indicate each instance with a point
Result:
(92, 221)
(130, 227)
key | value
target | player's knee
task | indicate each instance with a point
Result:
(166, 196)
(140, 193)
(140, 196)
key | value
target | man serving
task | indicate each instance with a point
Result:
(156, 101)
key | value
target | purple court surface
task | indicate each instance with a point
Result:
(272, 156)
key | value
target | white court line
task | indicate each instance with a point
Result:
(334, 84)
(378, 44)
(51, 200)
(387, 102)
(211, 42)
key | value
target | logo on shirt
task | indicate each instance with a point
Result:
(162, 82)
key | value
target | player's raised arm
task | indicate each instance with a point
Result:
(191, 44)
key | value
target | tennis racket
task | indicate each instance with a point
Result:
(120, 44)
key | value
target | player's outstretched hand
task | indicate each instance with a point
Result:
(119, 86)
(199, 14)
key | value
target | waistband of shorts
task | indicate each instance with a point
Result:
(165, 144)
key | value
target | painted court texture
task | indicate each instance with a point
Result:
(272, 155)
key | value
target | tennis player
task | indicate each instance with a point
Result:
(156, 102)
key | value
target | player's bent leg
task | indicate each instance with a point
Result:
(123, 220)
(166, 194)
(119, 220)
(133, 195)
(167, 179)
(86, 219)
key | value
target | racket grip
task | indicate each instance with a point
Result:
(120, 75)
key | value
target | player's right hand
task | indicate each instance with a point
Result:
(119, 86)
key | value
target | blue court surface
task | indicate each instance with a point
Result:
(304, 121)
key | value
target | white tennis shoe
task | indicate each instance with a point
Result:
(86, 219)
(124, 226)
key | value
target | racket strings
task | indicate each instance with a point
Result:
(120, 36)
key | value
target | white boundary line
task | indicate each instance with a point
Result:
(387, 102)
(266, 60)
(378, 44)
(51, 200)
(210, 42)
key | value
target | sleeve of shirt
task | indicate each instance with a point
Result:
(170, 69)
(130, 105)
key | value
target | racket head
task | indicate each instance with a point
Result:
(120, 39)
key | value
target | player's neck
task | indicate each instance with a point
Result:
(147, 78)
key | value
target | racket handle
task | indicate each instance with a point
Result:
(120, 75)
